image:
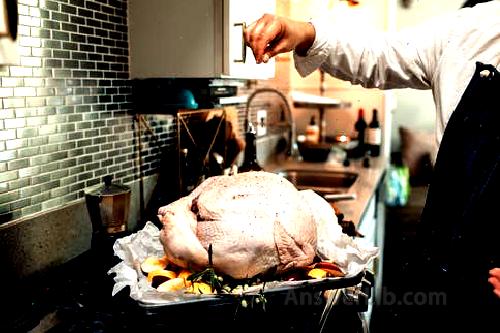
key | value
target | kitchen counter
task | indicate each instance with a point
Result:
(365, 186)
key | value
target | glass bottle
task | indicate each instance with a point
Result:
(374, 135)
(250, 159)
(360, 128)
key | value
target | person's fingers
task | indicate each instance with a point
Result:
(495, 272)
(260, 34)
(282, 46)
(495, 282)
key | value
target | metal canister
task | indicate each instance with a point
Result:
(108, 206)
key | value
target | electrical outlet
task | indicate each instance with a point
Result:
(261, 122)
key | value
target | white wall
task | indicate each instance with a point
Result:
(415, 108)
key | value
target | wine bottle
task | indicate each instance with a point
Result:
(374, 135)
(250, 158)
(360, 127)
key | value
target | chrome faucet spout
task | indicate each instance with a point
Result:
(292, 144)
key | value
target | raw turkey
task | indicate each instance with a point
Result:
(256, 222)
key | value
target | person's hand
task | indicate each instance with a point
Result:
(495, 280)
(271, 35)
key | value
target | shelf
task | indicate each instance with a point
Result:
(304, 100)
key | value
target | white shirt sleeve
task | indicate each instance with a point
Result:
(406, 59)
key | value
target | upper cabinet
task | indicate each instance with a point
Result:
(193, 38)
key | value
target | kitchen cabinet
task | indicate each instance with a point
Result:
(372, 226)
(192, 38)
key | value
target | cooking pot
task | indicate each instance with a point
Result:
(108, 206)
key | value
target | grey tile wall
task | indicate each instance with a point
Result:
(66, 117)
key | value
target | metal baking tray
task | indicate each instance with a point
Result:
(273, 289)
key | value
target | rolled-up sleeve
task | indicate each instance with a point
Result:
(405, 59)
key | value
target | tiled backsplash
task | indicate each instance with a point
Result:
(66, 118)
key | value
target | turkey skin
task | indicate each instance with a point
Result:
(256, 221)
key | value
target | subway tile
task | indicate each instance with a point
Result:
(68, 180)
(50, 185)
(52, 5)
(14, 103)
(96, 74)
(79, 55)
(47, 129)
(59, 192)
(38, 199)
(9, 197)
(76, 187)
(18, 164)
(8, 155)
(68, 9)
(24, 91)
(51, 24)
(69, 162)
(33, 82)
(24, 30)
(52, 203)
(6, 92)
(68, 145)
(29, 171)
(19, 184)
(32, 209)
(70, 46)
(4, 188)
(101, 17)
(51, 44)
(58, 138)
(31, 61)
(27, 132)
(55, 100)
(20, 71)
(50, 168)
(75, 136)
(91, 133)
(64, 54)
(34, 11)
(78, 3)
(62, 73)
(8, 176)
(42, 72)
(10, 82)
(77, 20)
(44, 13)
(45, 92)
(39, 32)
(60, 35)
(36, 121)
(29, 152)
(92, 149)
(16, 144)
(59, 17)
(84, 159)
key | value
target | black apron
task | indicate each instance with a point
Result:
(459, 233)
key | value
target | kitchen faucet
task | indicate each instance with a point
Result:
(292, 149)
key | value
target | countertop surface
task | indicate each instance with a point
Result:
(368, 180)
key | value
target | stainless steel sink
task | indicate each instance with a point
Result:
(323, 182)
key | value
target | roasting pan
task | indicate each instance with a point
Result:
(271, 290)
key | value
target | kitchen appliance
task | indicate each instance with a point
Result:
(108, 206)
